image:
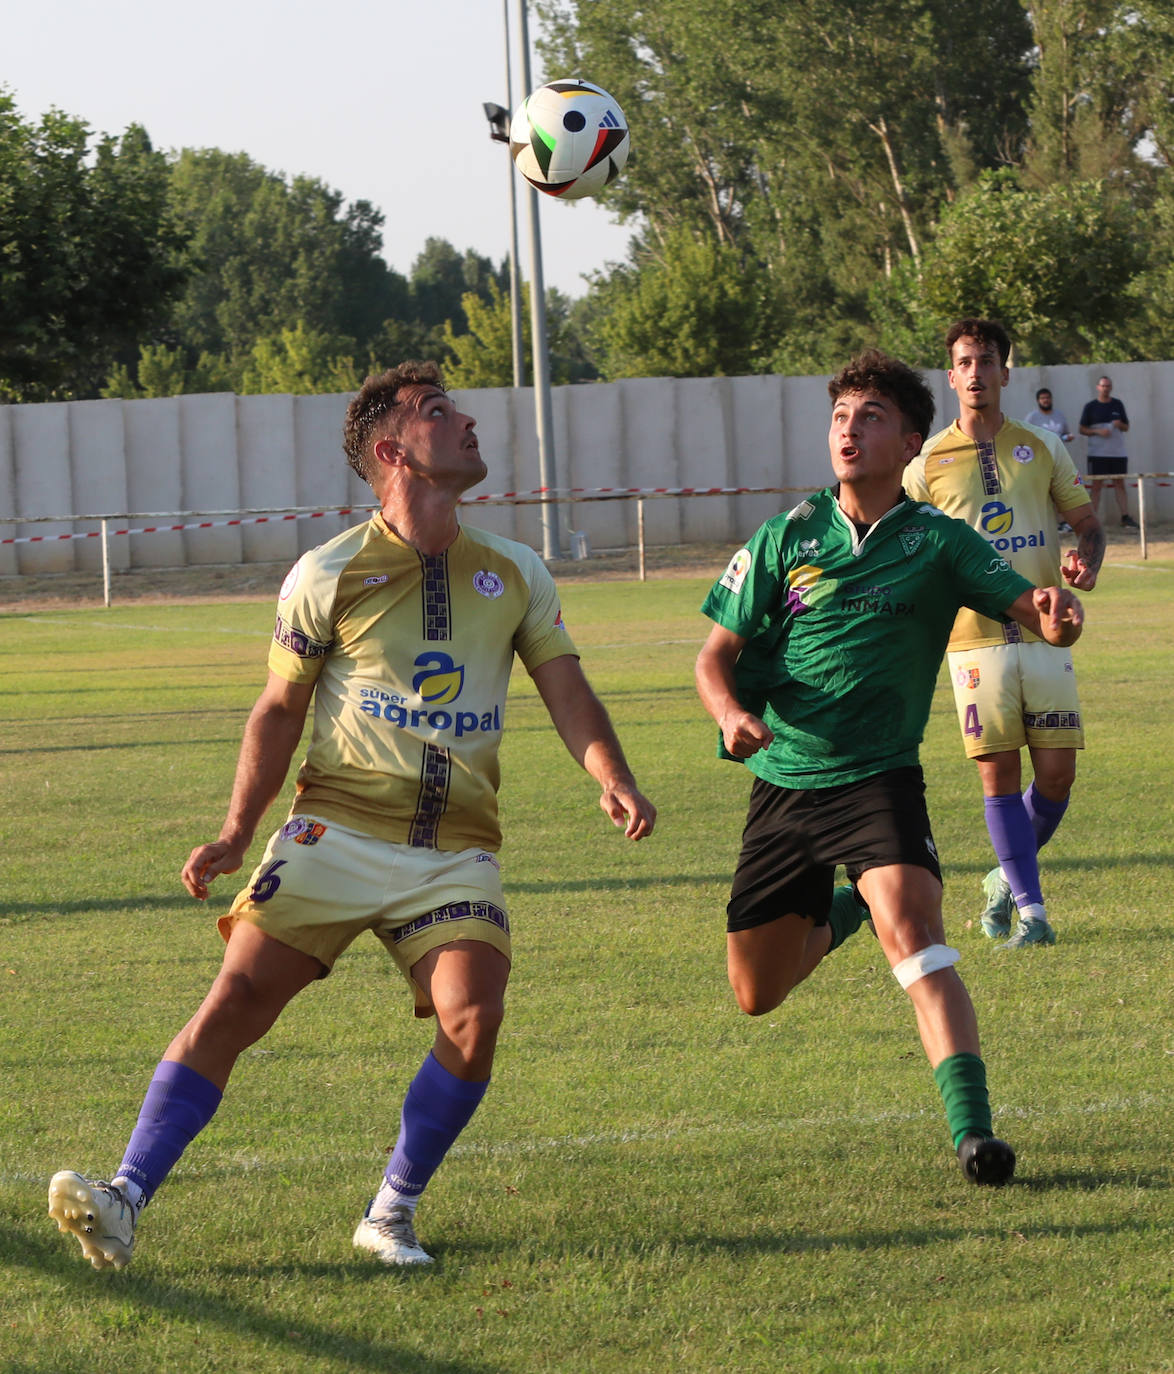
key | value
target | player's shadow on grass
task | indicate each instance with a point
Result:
(1089, 1182)
(1089, 865)
(796, 1242)
(104, 1298)
(15, 912)
(116, 745)
(617, 884)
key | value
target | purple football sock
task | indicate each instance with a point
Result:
(179, 1104)
(1045, 815)
(436, 1110)
(1012, 835)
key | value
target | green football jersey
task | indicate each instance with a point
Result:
(845, 634)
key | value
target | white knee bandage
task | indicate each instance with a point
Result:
(928, 960)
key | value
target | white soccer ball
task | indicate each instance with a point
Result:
(569, 139)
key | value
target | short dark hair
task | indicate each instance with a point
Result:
(989, 332)
(892, 379)
(375, 402)
(1043, 391)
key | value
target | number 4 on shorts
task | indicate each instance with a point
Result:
(972, 726)
(268, 883)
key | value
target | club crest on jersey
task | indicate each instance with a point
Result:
(912, 537)
(1023, 453)
(967, 676)
(735, 574)
(488, 584)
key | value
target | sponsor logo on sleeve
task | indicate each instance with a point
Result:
(291, 581)
(735, 574)
(377, 581)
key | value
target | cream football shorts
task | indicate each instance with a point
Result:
(1009, 695)
(319, 886)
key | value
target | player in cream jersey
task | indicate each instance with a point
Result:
(1009, 488)
(403, 632)
(410, 657)
(1010, 481)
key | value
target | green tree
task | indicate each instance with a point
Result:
(695, 311)
(299, 362)
(268, 252)
(484, 356)
(1082, 106)
(89, 256)
(1055, 265)
(820, 141)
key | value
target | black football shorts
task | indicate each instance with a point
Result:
(794, 839)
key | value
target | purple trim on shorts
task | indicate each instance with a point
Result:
(1052, 720)
(455, 911)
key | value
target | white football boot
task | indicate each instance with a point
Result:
(99, 1214)
(391, 1237)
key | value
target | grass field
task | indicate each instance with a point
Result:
(654, 1181)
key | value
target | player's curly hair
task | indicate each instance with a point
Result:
(375, 403)
(893, 379)
(989, 332)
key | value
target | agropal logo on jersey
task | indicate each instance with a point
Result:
(997, 523)
(438, 684)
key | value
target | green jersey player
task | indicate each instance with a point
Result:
(829, 629)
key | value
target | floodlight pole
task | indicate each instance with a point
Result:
(499, 131)
(543, 409)
(515, 271)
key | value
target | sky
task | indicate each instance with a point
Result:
(381, 101)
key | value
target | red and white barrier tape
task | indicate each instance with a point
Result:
(172, 529)
(550, 493)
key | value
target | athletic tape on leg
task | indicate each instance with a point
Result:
(925, 961)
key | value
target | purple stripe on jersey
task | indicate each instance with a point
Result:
(437, 604)
(988, 466)
(432, 797)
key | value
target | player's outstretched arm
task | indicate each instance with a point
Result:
(743, 734)
(271, 735)
(1053, 613)
(1082, 564)
(586, 729)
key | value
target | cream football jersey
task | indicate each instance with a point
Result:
(410, 655)
(1009, 489)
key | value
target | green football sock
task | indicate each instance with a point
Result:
(845, 915)
(961, 1080)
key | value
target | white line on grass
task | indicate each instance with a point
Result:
(158, 629)
(654, 1135)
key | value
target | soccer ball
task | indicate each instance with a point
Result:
(569, 139)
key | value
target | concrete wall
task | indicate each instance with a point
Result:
(230, 453)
